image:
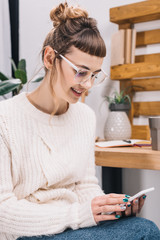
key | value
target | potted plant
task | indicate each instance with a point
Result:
(15, 84)
(117, 126)
(119, 102)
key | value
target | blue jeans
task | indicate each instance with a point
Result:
(129, 228)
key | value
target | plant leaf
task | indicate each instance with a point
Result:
(13, 65)
(22, 65)
(3, 77)
(121, 94)
(118, 98)
(9, 85)
(38, 79)
(21, 75)
(128, 98)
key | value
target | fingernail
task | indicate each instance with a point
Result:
(117, 216)
(127, 196)
(128, 205)
(144, 196)
(125, 200)
(136, 201)
(123, 207)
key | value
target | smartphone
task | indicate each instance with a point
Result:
(139, 194)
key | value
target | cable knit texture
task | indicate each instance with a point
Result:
(47, 170)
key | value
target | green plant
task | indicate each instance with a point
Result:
(119, 98)
(15, 84)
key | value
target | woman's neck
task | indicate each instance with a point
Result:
(43, 100)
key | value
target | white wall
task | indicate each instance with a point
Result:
(5, 42)
(35, 24)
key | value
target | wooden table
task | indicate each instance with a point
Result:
(128, 157)
(113, 160)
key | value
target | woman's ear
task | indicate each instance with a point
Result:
(49, 56)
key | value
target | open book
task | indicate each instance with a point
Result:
(123, 143)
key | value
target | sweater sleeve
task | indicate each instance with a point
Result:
(24, 218)
(88, 187)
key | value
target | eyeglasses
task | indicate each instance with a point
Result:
(84, 75)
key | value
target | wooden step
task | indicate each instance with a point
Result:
(146, 109)
(148, 37)
(136, 12)
(148, 84)
(150, 58)
(128, 71)
(140, 132)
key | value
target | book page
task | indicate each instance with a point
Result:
(133, 46)
(117, 48)
(128, 46)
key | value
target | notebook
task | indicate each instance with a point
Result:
(123, 143)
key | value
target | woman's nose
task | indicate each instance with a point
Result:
(87, 84)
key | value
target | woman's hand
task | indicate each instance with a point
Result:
(102, 205)
(106, 204)
(134, 207)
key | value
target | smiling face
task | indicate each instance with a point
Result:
(66, 89)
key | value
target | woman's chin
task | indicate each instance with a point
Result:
(72, 101)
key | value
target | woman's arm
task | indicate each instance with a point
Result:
(88, 189)
(23, 218)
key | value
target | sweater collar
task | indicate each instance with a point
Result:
(39, 115)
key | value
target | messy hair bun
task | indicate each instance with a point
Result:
(73, 27)
(63, 12)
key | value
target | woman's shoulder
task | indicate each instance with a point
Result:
(6, 106)
(85, 109)
(12, 101)
(9, 107)
(5, 110)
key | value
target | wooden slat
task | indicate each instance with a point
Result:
(146, 108)
(136, 12)
(125, 26)
(151, 84)
(148, 37)
(84, 96)
(128, 157)
(127, 71)
(140, 132)
(148, 58)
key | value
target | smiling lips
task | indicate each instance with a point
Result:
(77, 92)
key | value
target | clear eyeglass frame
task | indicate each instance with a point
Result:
(84, 75)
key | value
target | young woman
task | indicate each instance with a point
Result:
(48, 188)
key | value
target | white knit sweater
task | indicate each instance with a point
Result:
(47, 172)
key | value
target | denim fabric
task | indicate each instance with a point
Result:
(129, 228)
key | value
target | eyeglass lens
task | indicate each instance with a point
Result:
(82, 76)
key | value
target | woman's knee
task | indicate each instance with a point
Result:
(134, 228)
(146, 228)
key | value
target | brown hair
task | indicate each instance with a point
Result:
(73, 27)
